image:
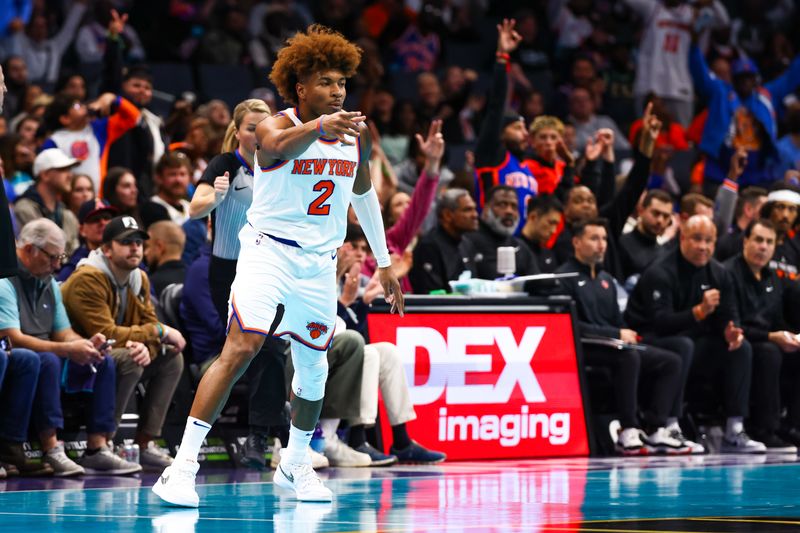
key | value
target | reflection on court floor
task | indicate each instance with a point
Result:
(705, 493)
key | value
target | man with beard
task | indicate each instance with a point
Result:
(496, 227)
(640, 247)
(501, 163)
(760, 298)
(691, 295)
(781, 209)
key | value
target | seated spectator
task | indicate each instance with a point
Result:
(163, 252)
(689, 294)
(52, 169)
(496, 227)
(74, 131)
(551, 158)
(93, 217)
(121, 192)
(582, 116)
(81, 190)
(173, 173)
(440, 255)
(761, 299)
(595, 296)
(17, 166)
(748, 207)
(383, 368)
(34, 318)
(544, 216)
(109, 293)
(783, 203)
(640, 248)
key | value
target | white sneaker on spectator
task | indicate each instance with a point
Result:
(154, 457)
(105, 462)
(62, 465)
(741, 443)
(176, 484)
(630, 442)
(662, 442)
(340, 454)
(318, 460)
(302, 479)
(694, 448)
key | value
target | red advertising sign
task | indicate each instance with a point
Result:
(490, 385)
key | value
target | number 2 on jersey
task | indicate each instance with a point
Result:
(318, 206)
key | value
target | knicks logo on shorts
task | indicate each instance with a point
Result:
(316, 329)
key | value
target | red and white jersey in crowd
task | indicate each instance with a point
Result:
(306, 199)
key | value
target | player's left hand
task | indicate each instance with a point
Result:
(391, 290)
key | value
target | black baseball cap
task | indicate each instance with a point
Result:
(123, 227)
(91, 208)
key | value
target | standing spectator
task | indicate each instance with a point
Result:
(173, 173)
(499, 219)
(741, 114)
(93, 216)
(662, 66)
(640, 248)
(544, 216)
(439, 255)
(689, 294)
(761, 300)
(93, 37)
(43, 54)
(16, 72)
(52, 169)
(163, 254)
(551, 158)
(87, 139)
(227, 43)
(110, 294)
(34, 318)
(582, 116)
(502, 140)
(595, 295)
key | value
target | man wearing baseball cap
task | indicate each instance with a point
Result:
(52, 170)
(93, 216)
(109, 293)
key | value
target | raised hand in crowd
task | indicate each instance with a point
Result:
(102, 106)
(507, 37)
(651, 127)
(432, 147)
(117, 24)
(738, 163)
(605, 138)
(564, 153)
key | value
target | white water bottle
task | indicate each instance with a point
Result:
(506, 260)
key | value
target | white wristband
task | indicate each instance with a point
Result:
(368, 211)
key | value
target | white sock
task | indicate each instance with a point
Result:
(193, 437)
(297, 449)
(329, 427)
(733, 426)
(672, 423)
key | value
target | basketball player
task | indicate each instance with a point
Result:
(313, 163)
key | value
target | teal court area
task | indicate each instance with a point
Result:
(698, 494)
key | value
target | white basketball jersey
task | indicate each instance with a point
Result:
(305, 200)
(663, 63)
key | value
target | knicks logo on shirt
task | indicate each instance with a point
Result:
(80, 150)
(315, 329)
(320, 167)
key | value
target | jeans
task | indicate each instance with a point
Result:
(19, 373)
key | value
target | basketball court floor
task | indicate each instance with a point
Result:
(648, 494)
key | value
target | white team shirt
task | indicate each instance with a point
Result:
(306, 199)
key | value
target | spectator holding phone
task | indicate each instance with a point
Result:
(32, 315)
(110, 294)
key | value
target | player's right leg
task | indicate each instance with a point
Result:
(176, 484)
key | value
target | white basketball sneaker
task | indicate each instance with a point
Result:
(302, 479)
(176, 484)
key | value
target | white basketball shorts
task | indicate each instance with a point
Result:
(270, 273)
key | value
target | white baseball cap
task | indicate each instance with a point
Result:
(52, 158)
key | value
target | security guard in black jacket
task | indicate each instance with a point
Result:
(599, 317)
(761, 301)
(689, 293)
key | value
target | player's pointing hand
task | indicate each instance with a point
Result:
(341, 125)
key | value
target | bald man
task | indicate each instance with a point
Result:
(690, 295)
(163, 254)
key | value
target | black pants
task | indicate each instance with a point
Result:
(684, 347)
(713, 361)
(660, 368)
(770, 365)
(266, 384)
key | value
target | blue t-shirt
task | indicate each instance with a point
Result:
(789, 155)
(9, 310)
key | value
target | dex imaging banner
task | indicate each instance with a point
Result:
(490, 385)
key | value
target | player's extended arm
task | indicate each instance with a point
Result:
(368, 210)
(280, 139)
